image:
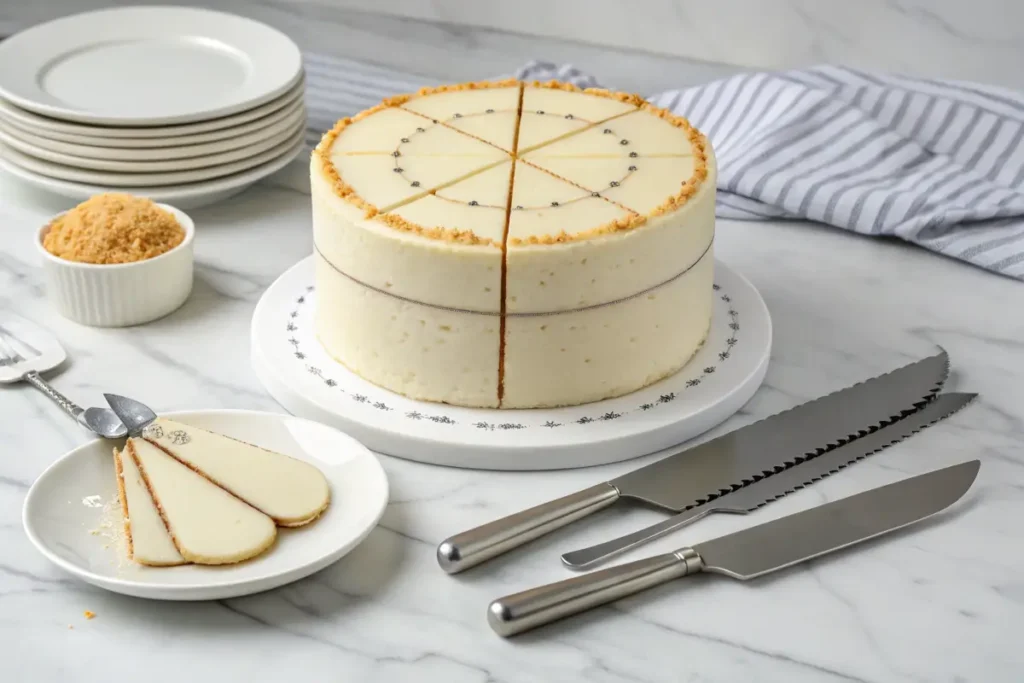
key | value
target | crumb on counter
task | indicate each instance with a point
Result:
(89, 615)
(113, 228)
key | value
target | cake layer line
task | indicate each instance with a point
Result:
(519, 314)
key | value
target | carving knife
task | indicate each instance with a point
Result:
(727, 462)
(745, 554)
(136, 416)
(760, 493)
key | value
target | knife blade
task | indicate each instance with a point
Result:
(136, 416)
(754, 496)
(746, 554)
(733, 460)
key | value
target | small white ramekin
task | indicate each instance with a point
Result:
(121, 294)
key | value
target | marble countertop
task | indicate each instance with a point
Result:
(941, 602)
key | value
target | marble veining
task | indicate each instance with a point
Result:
(942, 602)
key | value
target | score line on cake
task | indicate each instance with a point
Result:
(513, 245)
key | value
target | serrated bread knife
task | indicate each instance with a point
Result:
(727, 462)
(760, 493)
(745, 554)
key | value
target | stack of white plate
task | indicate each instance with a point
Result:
(182, 105)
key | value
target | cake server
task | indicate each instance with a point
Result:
(694, 475)
(746, 554)
(760, 493)
(136, 416)
(25, 352)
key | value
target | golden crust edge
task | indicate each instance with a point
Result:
(467, 237)
(628, 98)
(456, 87)
(452, 235)
(123, 496)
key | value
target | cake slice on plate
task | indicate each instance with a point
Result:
(148, 539)
(207, 524)
(289, 491)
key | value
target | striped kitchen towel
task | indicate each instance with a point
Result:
(938, 164)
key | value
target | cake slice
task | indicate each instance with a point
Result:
(546, 210)
(487, 113)
(148, 539)
(539, 127)
(385, 182)
(473, 206)
(552, 113)
(207, 524)
(646, 132)
(641, 184)
(389, 130)
(288, 490)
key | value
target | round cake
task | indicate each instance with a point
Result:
(513, 245)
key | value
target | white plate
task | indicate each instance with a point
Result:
(159, 136)
(77, 495)
(149, 66)
(143, 180)
(188, 196)
(168, 148)
(152, 160)
(723, 375)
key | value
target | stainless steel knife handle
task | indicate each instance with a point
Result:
(472, 547)
(538, 606)
(66, 404)
(585, 557)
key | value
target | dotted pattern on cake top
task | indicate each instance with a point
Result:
(700, 146)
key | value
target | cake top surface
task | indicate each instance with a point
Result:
(511, 163)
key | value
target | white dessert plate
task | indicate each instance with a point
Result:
(147, 66)
(72, 514)
(152, 136)
(185, 196)
(167, 148)
(151, 160)
(307, 382)
(143, 180)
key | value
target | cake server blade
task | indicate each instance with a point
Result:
(749, 553)
(696, 474)
(756, 495)
(136, 416)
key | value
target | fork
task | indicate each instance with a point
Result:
(99, 420)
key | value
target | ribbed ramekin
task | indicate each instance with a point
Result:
(121, 294)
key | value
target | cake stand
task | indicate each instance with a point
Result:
(307, 382)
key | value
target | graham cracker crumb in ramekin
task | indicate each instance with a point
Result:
(113, 228)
